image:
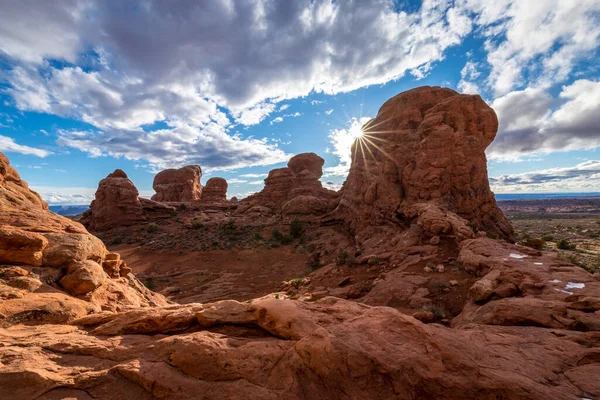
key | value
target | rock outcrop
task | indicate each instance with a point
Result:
(426, 145)
(215, 190)
(275, 348)
(295, 189)
(178, 185)
(44, 255)
(117, 204)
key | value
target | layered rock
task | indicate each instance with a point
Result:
(274, 348)
(294, 189)
(215, 190)
(43, 255)
(117, 204)
(178, 185)
(426, 145)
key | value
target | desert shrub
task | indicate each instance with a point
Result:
(152, 227)
(547, 238)
(374, 261)
(149, 283)
(229, 225)
(116, 241)
(564, 244)
(182, 207)
(281, 238)
(197, 224)
(535, 243)
(474, 226)
(296, 282)
(173, 213)
(344, 258)
(258, 236)
(314, 262)
(302, 241)
(491, 235)
(296, 229)
(437, 285)
(438, 311)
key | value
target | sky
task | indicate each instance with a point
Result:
(238, 87)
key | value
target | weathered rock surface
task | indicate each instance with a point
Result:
(43, 254)
(117, 204)
(272, 349)
(284, 186)
(214, 190)
(426, 145)
(178, 185)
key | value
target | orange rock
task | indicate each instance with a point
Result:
(215, 190)
(178, 185)
(20, 247)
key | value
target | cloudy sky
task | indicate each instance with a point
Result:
(240, 86)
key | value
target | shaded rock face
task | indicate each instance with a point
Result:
(116, 203)
(214, 190)
(178, 185)
(45, 258)
(426, 145)
(284, 185)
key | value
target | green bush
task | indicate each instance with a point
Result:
(182, 207)
(152, 227)
(344, 258)
(258, 236)
(281, 238)
(197, 224)
(534, 243)
(296, 229)
(547, 238)
(297, 282)
(564, 244)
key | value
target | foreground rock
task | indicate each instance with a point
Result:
(51, 268)
(273, 349)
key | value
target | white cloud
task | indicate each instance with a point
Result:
(276, 120)
(256, 183)
(468, 74)
(8, 144)
(341, 140)
(65, 195)
(539, 38)
(253, 176)
(328, 112)
(584, 177)
(532, 122)
(233, 181)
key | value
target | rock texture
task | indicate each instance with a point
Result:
(426, 145)
(284, 186)
(214, 190)
(117, 204)
(178, 185)
(44, 255)
(274, 348)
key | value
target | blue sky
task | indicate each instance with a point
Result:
(239, 87)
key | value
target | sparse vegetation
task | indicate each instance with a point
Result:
(344, 258)
(438, 311)
(374, 261)
(535, 243)
(152, 227)
(149, 283)
(281, 238)
(296, 282)
(547, 238)
(296, 229)
(564, 244)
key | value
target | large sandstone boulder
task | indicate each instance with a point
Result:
(116, 203)
(283, 349)
(214, 190)
(42, 254)
(285, 185)
(426, 145)
(178, 185)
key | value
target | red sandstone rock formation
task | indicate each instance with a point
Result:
(43, 254)
(178, 185)
(275, 348)
(295, 189)
(116, 203)
(215, 190)
(426, 145)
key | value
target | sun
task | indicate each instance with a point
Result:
(355, 130)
